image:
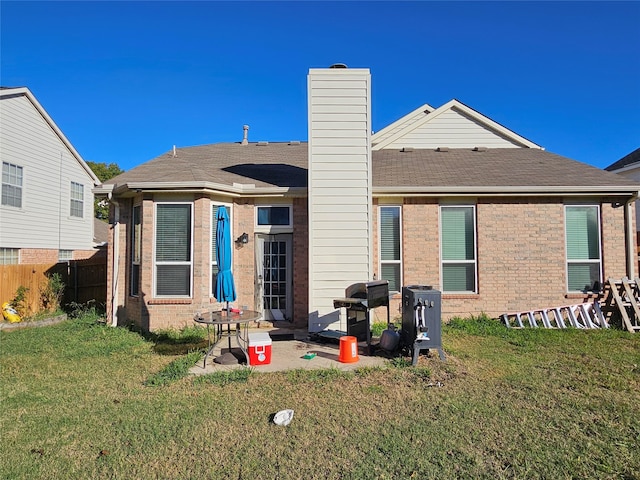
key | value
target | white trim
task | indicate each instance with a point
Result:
(133, 248)
(424, 110)
(566, 258)
(214, 204)
(154, 263)
(456, 105)
(273, 229)
(475, 248)
(400, 261)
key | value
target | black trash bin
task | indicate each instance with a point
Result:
(421, 320)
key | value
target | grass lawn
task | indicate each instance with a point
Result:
(82, 400)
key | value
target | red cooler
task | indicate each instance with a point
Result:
(259, 349)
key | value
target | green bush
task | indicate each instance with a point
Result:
(51, 293)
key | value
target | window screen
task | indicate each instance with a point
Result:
(390, 247)
(11, 185)
(582, 225)
(458, 248)
(173, 250)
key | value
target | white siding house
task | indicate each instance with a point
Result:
(46, 211)
(629, 166)
(340, 182)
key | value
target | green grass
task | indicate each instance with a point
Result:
(76, 403)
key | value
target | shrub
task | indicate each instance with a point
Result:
(51, 293)
(19, 302)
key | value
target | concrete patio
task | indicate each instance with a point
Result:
(288, 349)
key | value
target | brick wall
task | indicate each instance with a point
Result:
(300, 263)
(521, 259)
(521, 254)
(49, 255)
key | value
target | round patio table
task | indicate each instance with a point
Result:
(218, 319)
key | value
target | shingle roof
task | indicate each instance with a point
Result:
(285, 165)
(633, 157)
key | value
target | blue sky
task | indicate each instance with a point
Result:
(125, 81)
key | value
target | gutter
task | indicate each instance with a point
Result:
(115, 277)
(235, 190)
(563, 190)
(632, 254)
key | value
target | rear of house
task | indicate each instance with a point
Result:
(443, 197)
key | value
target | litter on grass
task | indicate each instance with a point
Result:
(283, 417)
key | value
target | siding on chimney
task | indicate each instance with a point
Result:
(340, 209)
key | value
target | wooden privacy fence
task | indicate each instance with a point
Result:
(84, 280)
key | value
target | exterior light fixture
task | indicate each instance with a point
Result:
(242, 239)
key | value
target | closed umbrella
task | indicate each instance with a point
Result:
(225, 287)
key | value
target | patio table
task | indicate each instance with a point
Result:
(216, 321)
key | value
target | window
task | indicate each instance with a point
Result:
(458, 249)
(9, 256)
(77, 200)
(277, 216)
(65, 255)
(136, 250)
(173, 250)
(582, 224)
(214, 225)
(11, 185)
(390, 247)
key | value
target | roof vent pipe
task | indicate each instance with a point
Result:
(245, 136)
(174, 152)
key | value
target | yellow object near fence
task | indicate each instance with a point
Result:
(9, 313)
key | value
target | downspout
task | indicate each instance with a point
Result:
(632, 253)
(116, 272)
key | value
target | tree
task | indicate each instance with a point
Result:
(104, 172)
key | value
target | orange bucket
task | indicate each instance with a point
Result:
(348, 349)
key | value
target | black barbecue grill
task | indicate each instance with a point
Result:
(360, 299)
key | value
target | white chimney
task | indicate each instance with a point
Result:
(340, 199)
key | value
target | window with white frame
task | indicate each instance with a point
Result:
(77, 200)
(65, 255)
(9, 256)
(11, 185)
(173, 249)
(584, 266)
(214, 230)
(273, 215)
(136, 250)
(390, 247)
(458, 248)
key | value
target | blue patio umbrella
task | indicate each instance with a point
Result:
(225, 286)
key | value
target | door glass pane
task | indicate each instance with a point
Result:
(274, 275)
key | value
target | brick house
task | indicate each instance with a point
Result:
(443, 197)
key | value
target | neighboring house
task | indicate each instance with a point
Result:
(443, 197)
(629, 166)
(46, 211)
